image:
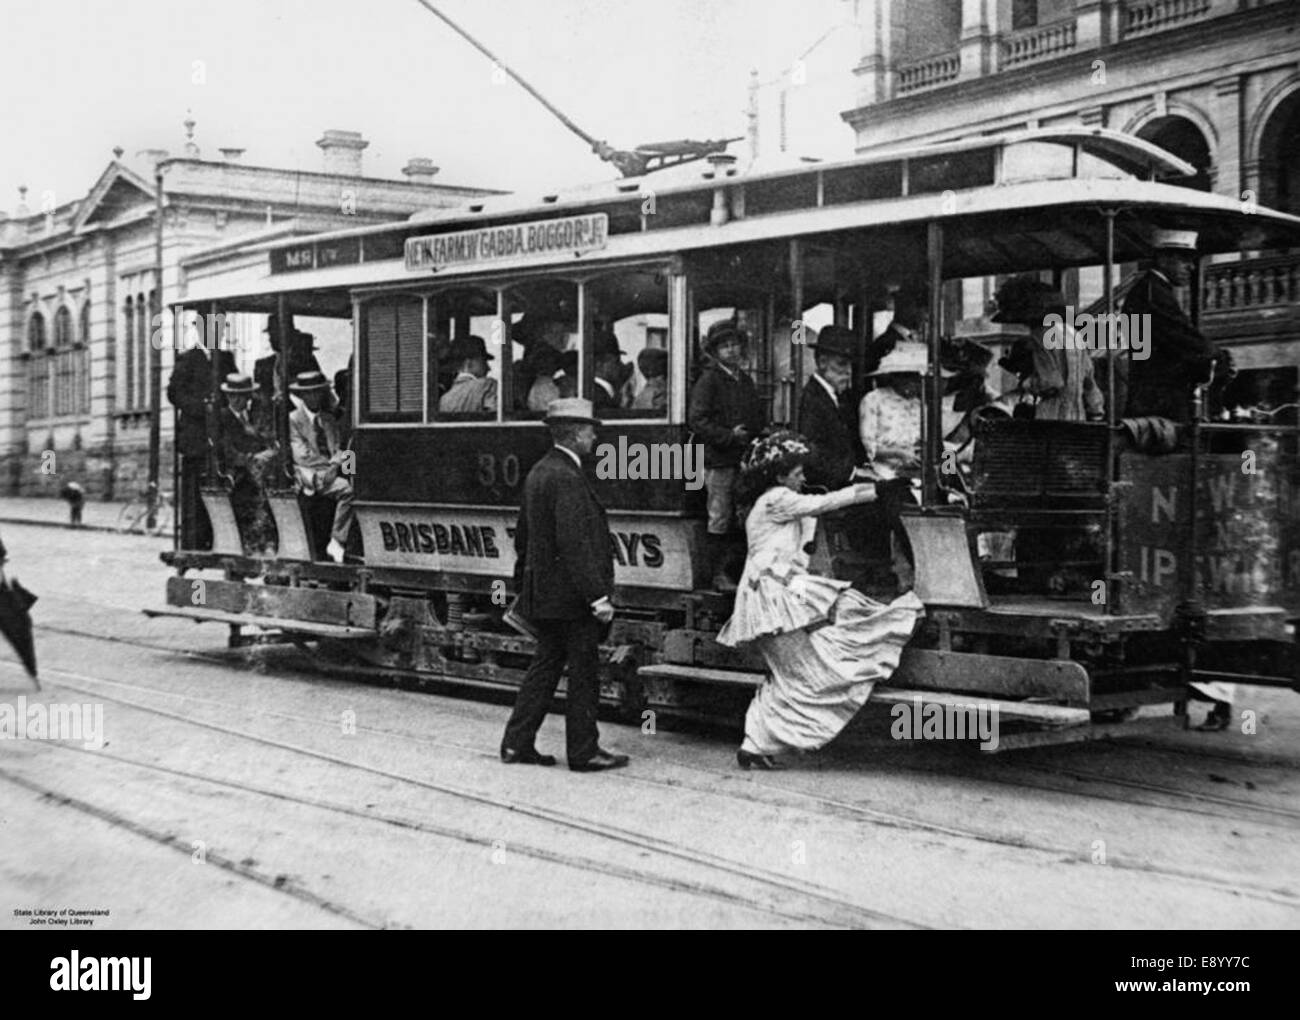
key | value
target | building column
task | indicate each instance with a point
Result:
(874, 72)
(977, 39)
(1097, 23)
(1227, 115)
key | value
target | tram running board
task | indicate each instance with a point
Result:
(1055, 716)
(328, 630)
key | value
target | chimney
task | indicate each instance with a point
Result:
(151, 156)
(342, 151)
(231, 155)
(420, 170)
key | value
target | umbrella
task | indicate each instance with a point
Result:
(16, 622)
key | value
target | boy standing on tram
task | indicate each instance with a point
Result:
(726, 414)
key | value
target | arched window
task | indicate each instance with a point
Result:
(1185, 140)
(141, 353)
(38, 369)
(83, 360)
(36, 333)
(65, 365)
(1279, 157)
(128, 350)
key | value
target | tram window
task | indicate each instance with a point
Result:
(392, 332)
(465, 354)
(627, 312)
(545, 346)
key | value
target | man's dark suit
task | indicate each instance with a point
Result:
(831, 428)
(564, 565)
(189, 389)
(1179, 356)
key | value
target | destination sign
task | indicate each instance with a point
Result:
(651, 552)
(569, 235)
(316, 255)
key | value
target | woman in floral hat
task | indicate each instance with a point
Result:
(825, 644)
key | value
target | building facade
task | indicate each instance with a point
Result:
(79, 293)
(1216, 82)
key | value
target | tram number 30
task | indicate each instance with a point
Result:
(490, 468)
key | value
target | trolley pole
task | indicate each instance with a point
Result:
(796, 315)
(155, 352)
(932, 412)
(1112, 579)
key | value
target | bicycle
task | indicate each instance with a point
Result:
(133, 518)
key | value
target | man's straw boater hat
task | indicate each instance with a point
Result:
(574, 409)
(308, 382)
(237, 382)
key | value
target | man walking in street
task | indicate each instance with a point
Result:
(564, 574)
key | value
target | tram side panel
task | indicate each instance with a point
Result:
(1247, 512)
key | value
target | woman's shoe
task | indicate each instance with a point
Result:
(763, 762)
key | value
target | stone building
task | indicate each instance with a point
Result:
(79, 293)
(1216, 82)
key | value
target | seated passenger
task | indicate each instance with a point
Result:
(473, 391)
(653, 363)
(246, 452)
(318, 456)
(726, 414)
(540, 341)
(1058, 378)
(548, 364)
(609, 372)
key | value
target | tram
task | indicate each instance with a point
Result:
(1191, 568)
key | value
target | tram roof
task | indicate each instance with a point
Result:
(994, 227)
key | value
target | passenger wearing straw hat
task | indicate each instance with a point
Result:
(319, 456)
(564, 577)
(1179, 357)
(245, 453)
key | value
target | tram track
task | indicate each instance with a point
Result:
(117, 820)
(1234, 803)
(842, 913)
(860, 812)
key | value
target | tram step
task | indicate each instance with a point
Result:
(1026, 711)
(200, 615)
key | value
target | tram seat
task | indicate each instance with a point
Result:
(302, 523)
(1039, 465)
(226, 540)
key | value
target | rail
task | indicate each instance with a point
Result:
(1251, 283)
(929, 72)
(1142, 17)
(1040, 43)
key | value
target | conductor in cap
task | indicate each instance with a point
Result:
(1179, 356)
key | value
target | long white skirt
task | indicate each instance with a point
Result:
(821, 676)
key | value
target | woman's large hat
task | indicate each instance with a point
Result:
(1026, 300)
(571, 409)
(907, 359)
(307, 382)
